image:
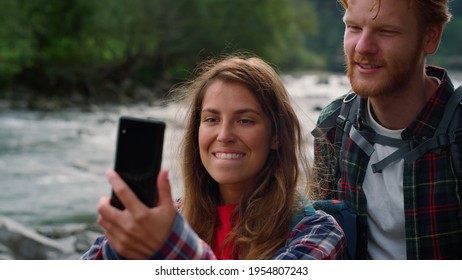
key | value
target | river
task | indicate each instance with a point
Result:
(52, 164)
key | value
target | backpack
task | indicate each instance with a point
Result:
(448, 133)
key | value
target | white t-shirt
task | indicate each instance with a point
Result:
(385, 202)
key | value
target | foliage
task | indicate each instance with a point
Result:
(110, 47)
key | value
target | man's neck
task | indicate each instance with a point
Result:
(398, 110)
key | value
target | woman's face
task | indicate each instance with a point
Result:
(235, 135)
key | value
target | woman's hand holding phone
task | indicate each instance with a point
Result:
(138, 231)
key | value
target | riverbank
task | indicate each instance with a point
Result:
(25, 99)
(20, 98)
(68, 242)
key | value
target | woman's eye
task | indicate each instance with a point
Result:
(209, 120)
(246, 121)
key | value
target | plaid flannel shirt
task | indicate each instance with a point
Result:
(432, 192)
(317, 236)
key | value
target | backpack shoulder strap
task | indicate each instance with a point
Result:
(337, 116)
(340, 210)
(344, 123)
(452, 108)
(456, 128)
(341, 119)
(346, 117)
(448, 131)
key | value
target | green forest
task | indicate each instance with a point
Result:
(126, 50)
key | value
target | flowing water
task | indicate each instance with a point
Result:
(52, 164)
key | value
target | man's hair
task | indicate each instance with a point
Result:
(429, 11)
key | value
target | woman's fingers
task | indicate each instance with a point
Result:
(124, 193)
(164, 189)
(138, 231)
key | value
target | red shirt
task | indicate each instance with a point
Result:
(223, 229)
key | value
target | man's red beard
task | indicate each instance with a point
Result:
(382, 83)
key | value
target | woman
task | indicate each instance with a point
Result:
(242, 170)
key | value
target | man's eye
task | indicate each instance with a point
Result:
(353, 28)
(388, 32)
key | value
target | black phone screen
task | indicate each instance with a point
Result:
(138, 157)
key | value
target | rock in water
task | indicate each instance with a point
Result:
(26, 244)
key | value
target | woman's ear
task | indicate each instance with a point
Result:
(274, 143)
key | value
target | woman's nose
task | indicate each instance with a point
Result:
(225, 133)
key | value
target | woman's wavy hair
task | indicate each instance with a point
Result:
(428, 11)
(266, 211)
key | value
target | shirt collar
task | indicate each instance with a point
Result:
(427, 121)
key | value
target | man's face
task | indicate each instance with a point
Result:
(384, 50)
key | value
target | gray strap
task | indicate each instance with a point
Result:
(335, 119)
(396, 155)
(439, 141)
(451, 105)
(441, 138)
(373, 137)
(388, 141)
(325, 125)
(362, 142)
(406, 149)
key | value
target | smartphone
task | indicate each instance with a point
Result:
(138, 157)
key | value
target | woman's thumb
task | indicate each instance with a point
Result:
(163, 188)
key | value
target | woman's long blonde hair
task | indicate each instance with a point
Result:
(266, 211)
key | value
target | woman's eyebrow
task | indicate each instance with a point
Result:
(237, 112)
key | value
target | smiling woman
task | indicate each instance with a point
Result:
(243, 164)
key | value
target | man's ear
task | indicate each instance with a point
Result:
(433, 38)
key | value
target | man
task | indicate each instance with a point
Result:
(408, 207)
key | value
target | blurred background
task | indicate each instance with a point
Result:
(55, 53)
(69, 69)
